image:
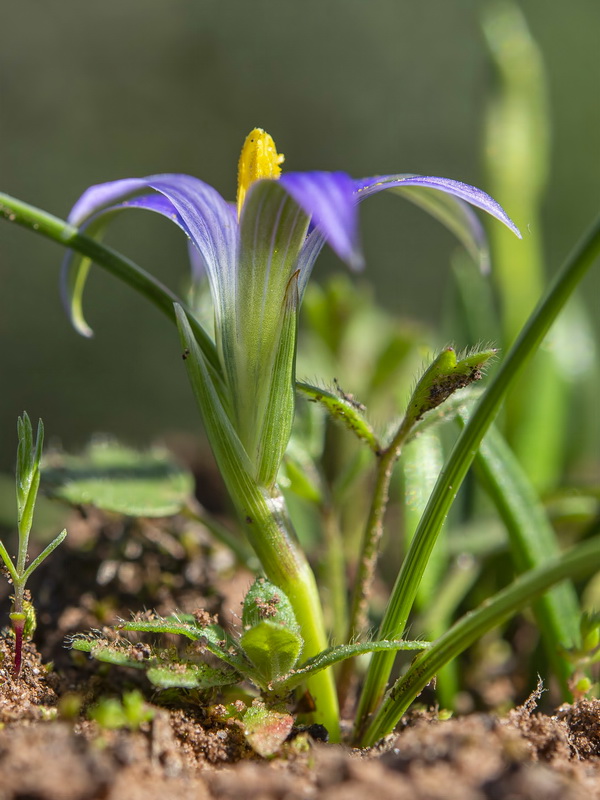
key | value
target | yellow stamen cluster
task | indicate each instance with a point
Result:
(259, 159)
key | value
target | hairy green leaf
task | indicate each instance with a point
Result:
(272, 649)
(343, 408)
(445, 375)
(334, 655)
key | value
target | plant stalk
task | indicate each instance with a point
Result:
(369, 551)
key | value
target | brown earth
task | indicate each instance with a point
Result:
(480, 757)
(50, 750)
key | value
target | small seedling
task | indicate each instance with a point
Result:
(130, 712)
(585, 654)
(267, 654)
(29, 453)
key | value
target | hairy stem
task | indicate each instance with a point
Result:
(369, 551)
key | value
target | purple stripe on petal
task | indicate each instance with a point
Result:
(211, 223)
(195, 206)
(154, 202)
(328, 198)
(98, 197)
(162, 205)
(464, 191)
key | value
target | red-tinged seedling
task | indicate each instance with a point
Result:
(29, 453)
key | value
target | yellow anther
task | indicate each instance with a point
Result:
(259, 159)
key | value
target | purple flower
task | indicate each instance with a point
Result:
(328, 200)
(258, 257)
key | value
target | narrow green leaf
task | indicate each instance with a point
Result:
(421, 463)
(39, 444)
(8, 563)
(229, 451)
(473, 310)
(44, 555)
(277, 422)
(25, 469)
(75, 276)
(302, 477)
(334, 655)
(28, 509)
(28, 481)
(576, 266)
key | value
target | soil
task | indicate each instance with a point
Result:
(51, 750)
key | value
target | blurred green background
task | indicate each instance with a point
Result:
(97, 91)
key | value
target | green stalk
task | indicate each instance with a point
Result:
(268, 527)
(577, 563)
(334, 573)
(459, 461)
(374, 530)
